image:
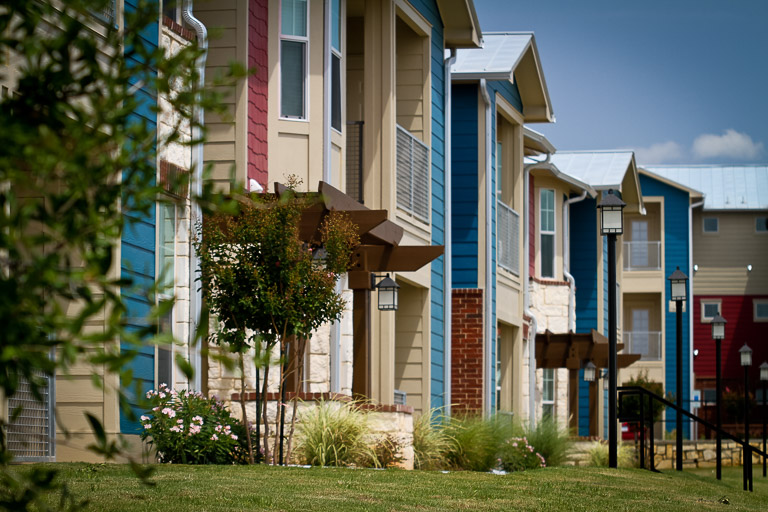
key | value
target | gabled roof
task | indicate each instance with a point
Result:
(605, 170)
(509, 56)
(696, 195)
(725, 187)
(462, 28)
(535, 143)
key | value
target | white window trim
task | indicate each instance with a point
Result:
(553, 233)
(305, 40)
(756, 318)
(703, 223)
(758, 232)
(551, 401)
(708, 319)
(166, 294)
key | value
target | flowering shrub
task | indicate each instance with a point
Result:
(517, 455)
(188, 428)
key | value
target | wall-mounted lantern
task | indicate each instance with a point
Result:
(387, 289)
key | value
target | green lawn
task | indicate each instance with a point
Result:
(203, 488)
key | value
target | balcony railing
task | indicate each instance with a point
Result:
(647, 344)
(355, 160)
(642, 255)
(412, 175)
(508, 233)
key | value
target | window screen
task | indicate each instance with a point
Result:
(710, 225)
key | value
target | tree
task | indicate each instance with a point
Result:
(76, 165)
(268, 288)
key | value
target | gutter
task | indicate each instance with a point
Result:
(448, 239)
(488, 302)
(567, 260)
(526, 292)
(195, 224)
(690, 302)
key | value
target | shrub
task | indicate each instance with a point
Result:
(475, 441)
(550, 440)
(516, 454)
(188, 428)
(387, 451)
(430, 441)
(334, 434)
(630, 405)
(598, 455)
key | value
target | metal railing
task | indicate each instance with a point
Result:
(30, 434)
(508, 236)
(642, 255)
(642, 413)
(647, 344)
(355, 160)
(412, 175)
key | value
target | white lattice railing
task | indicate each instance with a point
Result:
(412, 175)
(642, 255)
(647, 344)
(508, 236)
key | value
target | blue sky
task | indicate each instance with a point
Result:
(678, 81)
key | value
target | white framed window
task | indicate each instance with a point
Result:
(294, 44)
(166, 279)
(710, 224)
(710, 308)
(548, 392)
(760, 310)
(761, 224)
(547, 232)
(336, 65)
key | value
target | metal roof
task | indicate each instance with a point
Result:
(725, 187)
(600, 169)
(497, 59)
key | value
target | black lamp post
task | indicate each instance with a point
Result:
(764, 380)
(678, 287)
(387, 289)
(718, 334)
(611, 224)
(746, 361)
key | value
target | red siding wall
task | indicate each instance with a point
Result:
(740, 329)
(467, 350)
(257, 92)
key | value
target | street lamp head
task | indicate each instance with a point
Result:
(387, 289)
(589, 372)
(678, 281)
(611, 215)
(718, 327)
(746, 355)
(764, 371)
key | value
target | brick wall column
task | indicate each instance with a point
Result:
(467, 350)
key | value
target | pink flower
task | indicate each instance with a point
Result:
(169, 412)
(234, 437)
(147, 426)
(214, 437)
(144, 418)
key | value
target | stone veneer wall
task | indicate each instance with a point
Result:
(467, 349)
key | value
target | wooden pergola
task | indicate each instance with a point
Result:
(379, 251)
(572, 351)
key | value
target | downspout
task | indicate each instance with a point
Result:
(690, 302)
(195, 225)
(490, 334)
(567, 260)
(335, 331)
(448, 238)
(526, 293)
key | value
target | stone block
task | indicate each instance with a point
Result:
(709, 454)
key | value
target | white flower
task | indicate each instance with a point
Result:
(234, 437)
(144, 418)
(214, 437)
(198, 419)
(147, 425)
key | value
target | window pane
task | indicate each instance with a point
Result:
(710, 224)
(761, 310)
(292, 79)
(711, 310)
(336, 92)
(336, 25)
(547, 255)
(548, 210)
(167, 240)
(548, 384)
(761, 224)
(294, 18)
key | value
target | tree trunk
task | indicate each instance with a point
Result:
(301, 348)
(265, 418)
(242, 406)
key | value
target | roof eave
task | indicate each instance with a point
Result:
(461, 25)
(692, 192)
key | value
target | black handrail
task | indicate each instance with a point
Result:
(637, 390)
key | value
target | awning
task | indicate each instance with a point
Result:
(573, 350)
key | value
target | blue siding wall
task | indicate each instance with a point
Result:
(465, 155)
(428, 9)
(676, 230)
(137, 262)
(583, 239)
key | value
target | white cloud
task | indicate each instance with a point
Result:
(730, 144)
(660, 153)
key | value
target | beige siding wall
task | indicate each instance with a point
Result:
(226, 147)
(723, 257)
(411, 76)
(412, 347)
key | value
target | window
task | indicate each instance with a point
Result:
(761, 310)
(166, 248)
(499, 168)
(709, 310)
(293, 59)
(761, 224)
(710, 224)
(548, 392)
(547, 232)
(638, 255)
(172, 9)
(336, 64)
